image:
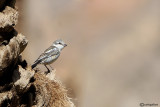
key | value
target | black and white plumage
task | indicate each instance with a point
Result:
(51, 54)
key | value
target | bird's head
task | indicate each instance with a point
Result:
(59, 44)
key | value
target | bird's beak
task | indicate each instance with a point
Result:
(65, 45)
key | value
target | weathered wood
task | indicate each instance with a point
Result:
(21, 86)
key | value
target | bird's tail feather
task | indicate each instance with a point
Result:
(35, 64)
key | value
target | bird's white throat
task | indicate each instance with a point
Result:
(59, 46)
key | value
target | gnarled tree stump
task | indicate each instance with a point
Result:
(21, 86)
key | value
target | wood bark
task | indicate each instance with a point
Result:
(21, 86)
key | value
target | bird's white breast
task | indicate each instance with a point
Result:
(60, 47)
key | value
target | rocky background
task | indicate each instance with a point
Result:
(20, 86)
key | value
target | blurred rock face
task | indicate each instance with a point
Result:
(113, 47)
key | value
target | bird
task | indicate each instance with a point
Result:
(51, 54)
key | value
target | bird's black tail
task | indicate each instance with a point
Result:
(35, 64)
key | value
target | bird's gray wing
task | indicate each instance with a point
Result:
(51, 48)
(48, 53)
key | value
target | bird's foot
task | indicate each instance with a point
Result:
(48, 71)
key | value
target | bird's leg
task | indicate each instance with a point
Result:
(51, 67)
(47, 68)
